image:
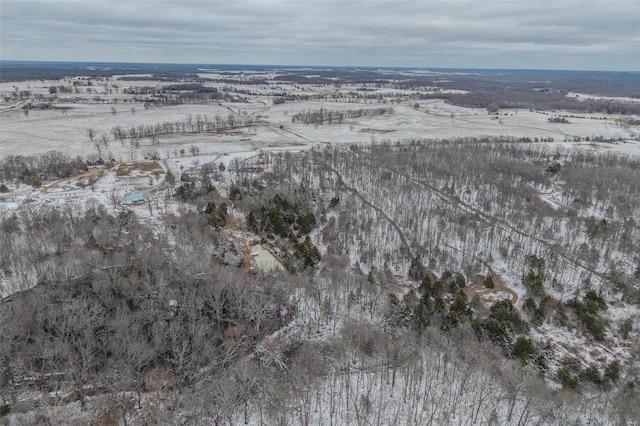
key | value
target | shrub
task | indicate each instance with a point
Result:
(566, 379)
(534, 282)
(35, 182)
(529, 305)
(612, 371)
(595, 326)
(593, 375)
(235, 193)
(488, 282)
(587, 312)
(308, 253)
(626, 327)
(523, 349)
(503, 323)
(504, 312)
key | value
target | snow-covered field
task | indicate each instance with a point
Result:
(64, 127)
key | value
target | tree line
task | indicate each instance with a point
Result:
(197, 124)
(326, 116)
(50, 165)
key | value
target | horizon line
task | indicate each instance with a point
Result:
(397, 67)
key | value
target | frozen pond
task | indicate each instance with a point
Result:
(264, 259)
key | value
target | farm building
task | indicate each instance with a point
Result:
(135, 198)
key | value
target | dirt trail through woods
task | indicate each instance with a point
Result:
(499, 284)
(496, 222)
(393, 223)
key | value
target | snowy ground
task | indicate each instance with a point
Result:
(65, 126)
(101, 105)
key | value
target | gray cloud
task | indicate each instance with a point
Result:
(561, 34)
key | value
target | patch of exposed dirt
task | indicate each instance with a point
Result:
(92, 174)
(138, 169)
(488, 296)
(241, 237)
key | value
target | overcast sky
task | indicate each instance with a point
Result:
(534, 34)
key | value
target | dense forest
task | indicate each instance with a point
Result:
(379, 317)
